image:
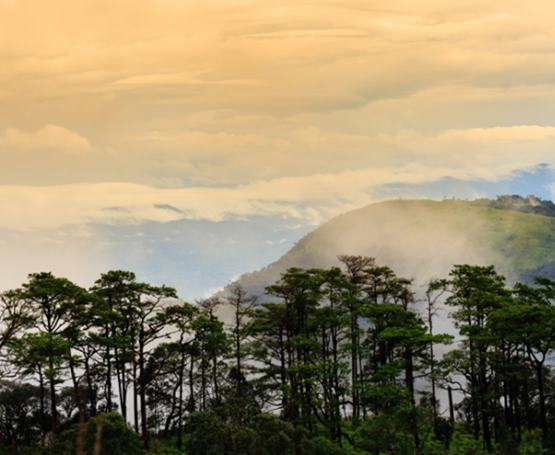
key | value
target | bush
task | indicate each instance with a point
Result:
(273, 436)
(464, 444)
(320, 446)
(431, 446)
(206, 434)
(63, 444)
(117, 437)
(380, 434)
(243, 440)
(531, 443)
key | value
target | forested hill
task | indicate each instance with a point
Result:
(422, 239)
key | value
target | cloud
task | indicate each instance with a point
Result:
(313, 198)
(274, 107)
(280, 57)
(49, 137)
(518, 133)
(240, 158)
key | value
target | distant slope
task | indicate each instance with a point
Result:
(422, 239)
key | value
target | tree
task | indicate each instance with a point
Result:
(242, 305)
(529, 321)
(20, 423)
(434, 293)
(270, 350)
(475, 292)
(212, 343)
(332, 318)
(181, 317)
(15, 316)
(300, 291)
(52, 300)
(356, 267)
(335, 355)
(116, 294)
(150, 325)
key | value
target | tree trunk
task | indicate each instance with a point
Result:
(354, 364)
(180, 401)
(238, 348)
(432, 366)
(484, 405)
(541, 392)
(215, 378)
(451, 408)
(92, 398)
(203, 383)
(42, 407)
(53, 409)
(283, 374)
(192, 406)
(135, 396)
(142, 390)
(409, 378)
(108, 392)
(336, 392)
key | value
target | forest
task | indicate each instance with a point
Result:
(344, 360)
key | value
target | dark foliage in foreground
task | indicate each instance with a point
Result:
(343, 361)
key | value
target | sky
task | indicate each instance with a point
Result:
(194, 141)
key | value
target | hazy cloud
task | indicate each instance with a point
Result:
(134, 111)
(49, 137)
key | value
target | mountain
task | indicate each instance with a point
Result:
(423, 239)
(194, 256)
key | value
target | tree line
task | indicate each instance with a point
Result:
(343, 360)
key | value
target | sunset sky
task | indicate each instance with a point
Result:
(139, 133)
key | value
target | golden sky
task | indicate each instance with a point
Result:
(109, 109)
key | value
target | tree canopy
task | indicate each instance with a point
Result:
(344, 360)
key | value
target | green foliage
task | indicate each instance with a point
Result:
(117, 437)
(274, 436)
(531, 443)
(431, 446)
(62, 444)
(463, 443)
(320, 446)
(331, 366)
(19, 419)
(206, 434)
(382, 434)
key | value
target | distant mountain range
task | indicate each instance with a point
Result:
(423, 239)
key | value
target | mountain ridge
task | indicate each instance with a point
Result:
(422, 239)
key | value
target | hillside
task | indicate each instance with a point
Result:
(422, 239)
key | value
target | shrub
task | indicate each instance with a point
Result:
(380, 434)
(273, 436)
(531, 443)
(206, 434)
(464, 444)
(117, 437)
